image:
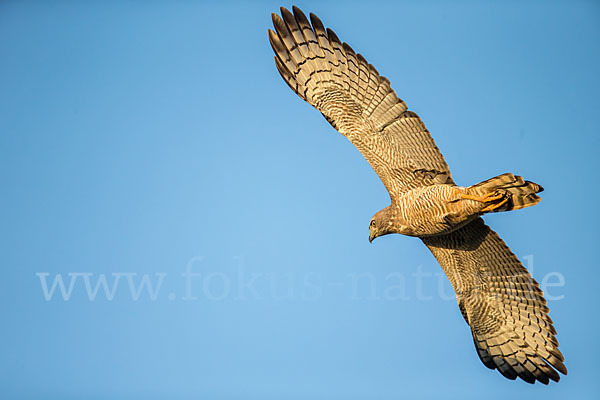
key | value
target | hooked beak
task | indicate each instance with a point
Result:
(371, 236)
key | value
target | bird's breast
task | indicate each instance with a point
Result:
(429, 211)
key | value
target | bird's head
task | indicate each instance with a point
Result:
(381, 224)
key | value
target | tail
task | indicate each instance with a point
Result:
(517, 192)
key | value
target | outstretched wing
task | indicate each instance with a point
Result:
(357, 101)
(501, 302)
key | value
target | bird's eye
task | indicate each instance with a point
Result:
(373, 224)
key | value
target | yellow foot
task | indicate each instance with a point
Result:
(493, 207)
(488, 198)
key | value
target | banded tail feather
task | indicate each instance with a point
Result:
(519, 192)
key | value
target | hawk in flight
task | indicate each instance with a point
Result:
(497, 297)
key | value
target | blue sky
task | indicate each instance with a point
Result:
(156, 140)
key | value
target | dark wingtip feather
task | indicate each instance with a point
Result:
(272, 36)
(275, 18)
(347, 48)
(529, 378)
(280, 26)
(556, 353)
(285, 74)
(333, 37)
(288, 17)
(299, 14)
(556, 363)
(316, 22)
(508, 373)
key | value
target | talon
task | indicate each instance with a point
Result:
(493, 207)
(491, 197)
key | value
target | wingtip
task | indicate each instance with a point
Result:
(300, 17)
(274, 40)
(285, 13)
(276, 19)
(332, 36)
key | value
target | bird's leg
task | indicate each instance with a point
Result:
(487, 198)
(490, 199)
(492, 207)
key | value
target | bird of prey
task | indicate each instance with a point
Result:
(497, 297)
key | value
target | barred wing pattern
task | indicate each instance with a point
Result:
(501, 302)
(357, 101)
(496, 295)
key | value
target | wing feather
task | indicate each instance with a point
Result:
(501, 302)
(357, 101)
